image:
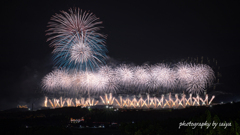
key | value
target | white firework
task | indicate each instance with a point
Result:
(125, 75)
(80, 52)
(142, 77)
(49, 82)
(76, 40)
(183, 74)
(89, 81)
(110, 75)
(163, 76)
(202, 76)
(194, 78)
(101, 83)
(55, 80)
(65, 79)
(77, 80)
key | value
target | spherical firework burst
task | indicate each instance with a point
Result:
(110, 75)
(183, 74)
(65, 79)
(57, 79)
(163, 76)
(80, 52)
(89, 81)
(125, 75)
(49, 82)
(76, 42)
(92, 82)
(142, 77)
(202, 76)
(70, 25)
(101, 83)
(77, 80)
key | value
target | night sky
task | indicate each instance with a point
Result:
(137, 33)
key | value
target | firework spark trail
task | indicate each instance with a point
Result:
(76, 41)
(135, 103)
(108, 100)
(163, 102)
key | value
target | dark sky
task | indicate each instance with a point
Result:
(137, 32)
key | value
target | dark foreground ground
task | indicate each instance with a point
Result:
(123, 121)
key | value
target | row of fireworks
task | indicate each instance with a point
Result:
(134, 103)
(195, 78)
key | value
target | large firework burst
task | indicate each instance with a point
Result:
(142, 77)
(194, 77)
(110, 74)
(202, 76)
(125, 75)
(164, 76)
(57, 79)
(49, 82)
(183, 74)
(76, 41)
